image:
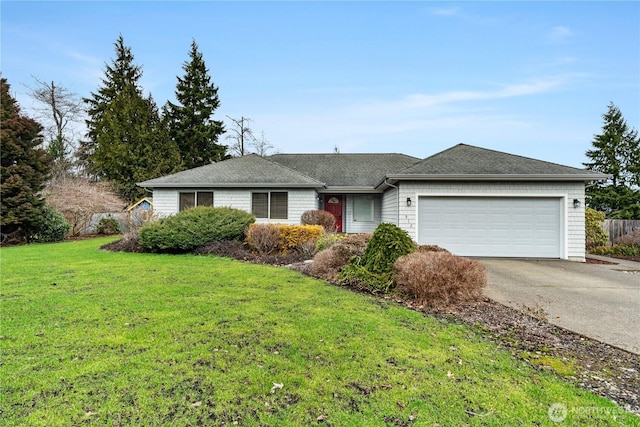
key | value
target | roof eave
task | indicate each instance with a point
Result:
(349, 189)
(228, 185)
(494, 177)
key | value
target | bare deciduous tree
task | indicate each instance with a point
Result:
(262, 146)
(59, 110)
(79, 199)
(241, 134)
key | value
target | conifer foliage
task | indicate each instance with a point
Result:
(127, 140)
(615, 152)
(190, 121)
(24, 170)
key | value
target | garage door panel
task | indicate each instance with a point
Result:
(492, 226)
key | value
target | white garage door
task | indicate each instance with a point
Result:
(492, 226)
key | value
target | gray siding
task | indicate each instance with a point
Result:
(390, 206)
(574, 231)
(165, 201)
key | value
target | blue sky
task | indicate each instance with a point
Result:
(529, 78)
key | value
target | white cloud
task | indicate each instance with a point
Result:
(445, 11)
(404, 123)
(558, 35)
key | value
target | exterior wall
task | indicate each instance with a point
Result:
(574, 239)
(352, 226)
(165, 201)
(390, 206)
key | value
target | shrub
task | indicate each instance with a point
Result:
(328, 263)
(294, 238)
(319, 217)
(431, 248)
(194, 227)
(108, 226)
(263, 238)
(50, 226)
(595, 234)
(283, 239)
(327, 240)
(437, 279)
(624, 250)
(374, 269)
(632, 239)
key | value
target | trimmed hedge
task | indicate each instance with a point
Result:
(319, 217)
(194, 227)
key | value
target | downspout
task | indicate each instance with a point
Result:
(398, 201)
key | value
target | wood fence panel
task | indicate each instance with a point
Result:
(617, 228)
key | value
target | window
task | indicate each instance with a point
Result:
(362, 208)
(272, 205)
(187, 200)
(192, 198)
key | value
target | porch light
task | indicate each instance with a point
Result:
(408, 201)
(576, 203)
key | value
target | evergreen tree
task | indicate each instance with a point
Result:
(23, 172)
(190, 121)
(615, 152)
(127, 141)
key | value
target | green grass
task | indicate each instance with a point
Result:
(98, 338)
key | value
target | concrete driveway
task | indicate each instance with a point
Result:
(595, 300)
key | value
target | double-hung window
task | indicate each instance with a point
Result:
(271, 205)
(189, 199)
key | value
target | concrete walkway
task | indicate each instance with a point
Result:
(599, 301)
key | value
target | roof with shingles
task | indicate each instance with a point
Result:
(246, 171)
(468, 162)
(369, 172)
(346, 170)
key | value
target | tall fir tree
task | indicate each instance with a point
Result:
(616, 152)
(24, 169)
(190, 121)
(127, 140)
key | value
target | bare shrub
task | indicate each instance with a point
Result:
(78, 199)
(130, 242)
(632, 239)
(319, 217)
(439, 279)
(328, 263)
(263, 238)
(431, 248)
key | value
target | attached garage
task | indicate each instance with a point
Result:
(493, 226)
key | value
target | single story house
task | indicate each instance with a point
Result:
(469, 200)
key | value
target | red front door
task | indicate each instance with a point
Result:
(333, 204)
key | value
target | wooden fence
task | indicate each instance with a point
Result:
(617, 228)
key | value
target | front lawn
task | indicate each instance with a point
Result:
(101, 338)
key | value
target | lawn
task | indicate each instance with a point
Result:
(100, 338)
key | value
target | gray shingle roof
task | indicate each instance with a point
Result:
(247, 171)
(346, 170)
(467, 162)
(368, 172)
